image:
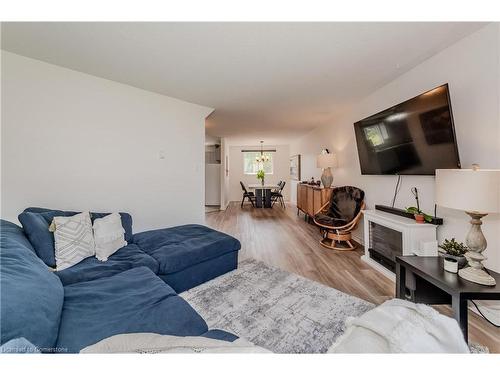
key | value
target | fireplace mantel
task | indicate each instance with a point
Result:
(412, 235)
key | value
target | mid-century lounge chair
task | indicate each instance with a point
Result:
(338, 217)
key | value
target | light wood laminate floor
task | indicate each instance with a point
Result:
(280, 238)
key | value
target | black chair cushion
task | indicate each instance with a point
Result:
(345, 203)
(329, 221)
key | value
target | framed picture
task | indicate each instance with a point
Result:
(295, 167)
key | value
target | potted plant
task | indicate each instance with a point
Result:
(260, 176)
(420, 216)
(455, 250)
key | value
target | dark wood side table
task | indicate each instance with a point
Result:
(424, 280)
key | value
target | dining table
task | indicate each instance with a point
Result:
(263, 194)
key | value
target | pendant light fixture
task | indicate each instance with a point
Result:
(262, 158)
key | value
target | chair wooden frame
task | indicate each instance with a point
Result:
(331, 235)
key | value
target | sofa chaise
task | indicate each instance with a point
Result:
(135, 290)
(189, 255)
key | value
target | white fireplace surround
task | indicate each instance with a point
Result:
(413, 235)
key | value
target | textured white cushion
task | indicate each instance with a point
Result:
(74, 240)
(400, 326)
(109, 236)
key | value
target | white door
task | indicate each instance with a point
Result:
(212, 184)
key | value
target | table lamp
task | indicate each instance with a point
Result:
(326, 160)
(477, 192)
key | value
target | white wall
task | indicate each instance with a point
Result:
(471, 67)
(281, 170)
(75, 141)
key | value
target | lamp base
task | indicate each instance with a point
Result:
(327, 177)
(478, 276)
(477, 244)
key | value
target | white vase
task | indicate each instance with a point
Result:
(450, 265)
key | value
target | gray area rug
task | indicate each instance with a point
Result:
(275, 309)
(476, 348)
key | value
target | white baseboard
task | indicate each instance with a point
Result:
(358, 239)
(378, 267)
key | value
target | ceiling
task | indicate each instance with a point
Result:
(270, 81)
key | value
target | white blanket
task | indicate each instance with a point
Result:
(399, 326)
(155, 343)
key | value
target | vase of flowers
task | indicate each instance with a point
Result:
(454, 250)
(260, 176)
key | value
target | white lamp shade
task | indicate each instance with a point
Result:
(469, 190)
(326, 160)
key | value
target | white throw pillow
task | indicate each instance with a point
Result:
(109, 236)
(74, 240)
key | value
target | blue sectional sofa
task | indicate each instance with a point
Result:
(134, 291)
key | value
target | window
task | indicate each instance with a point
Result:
(251, 166)
(376, 134)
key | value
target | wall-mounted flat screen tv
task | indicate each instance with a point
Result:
(415, 137)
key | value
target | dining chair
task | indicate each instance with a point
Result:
(279, 186)
(246, 194)
(278, 195)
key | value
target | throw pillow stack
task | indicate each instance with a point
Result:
(75, 238)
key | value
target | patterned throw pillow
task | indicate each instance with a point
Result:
(74, 239)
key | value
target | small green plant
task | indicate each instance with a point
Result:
(453, 247)
(260, 174)
(415, 210)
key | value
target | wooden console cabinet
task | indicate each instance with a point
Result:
(311, 198)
